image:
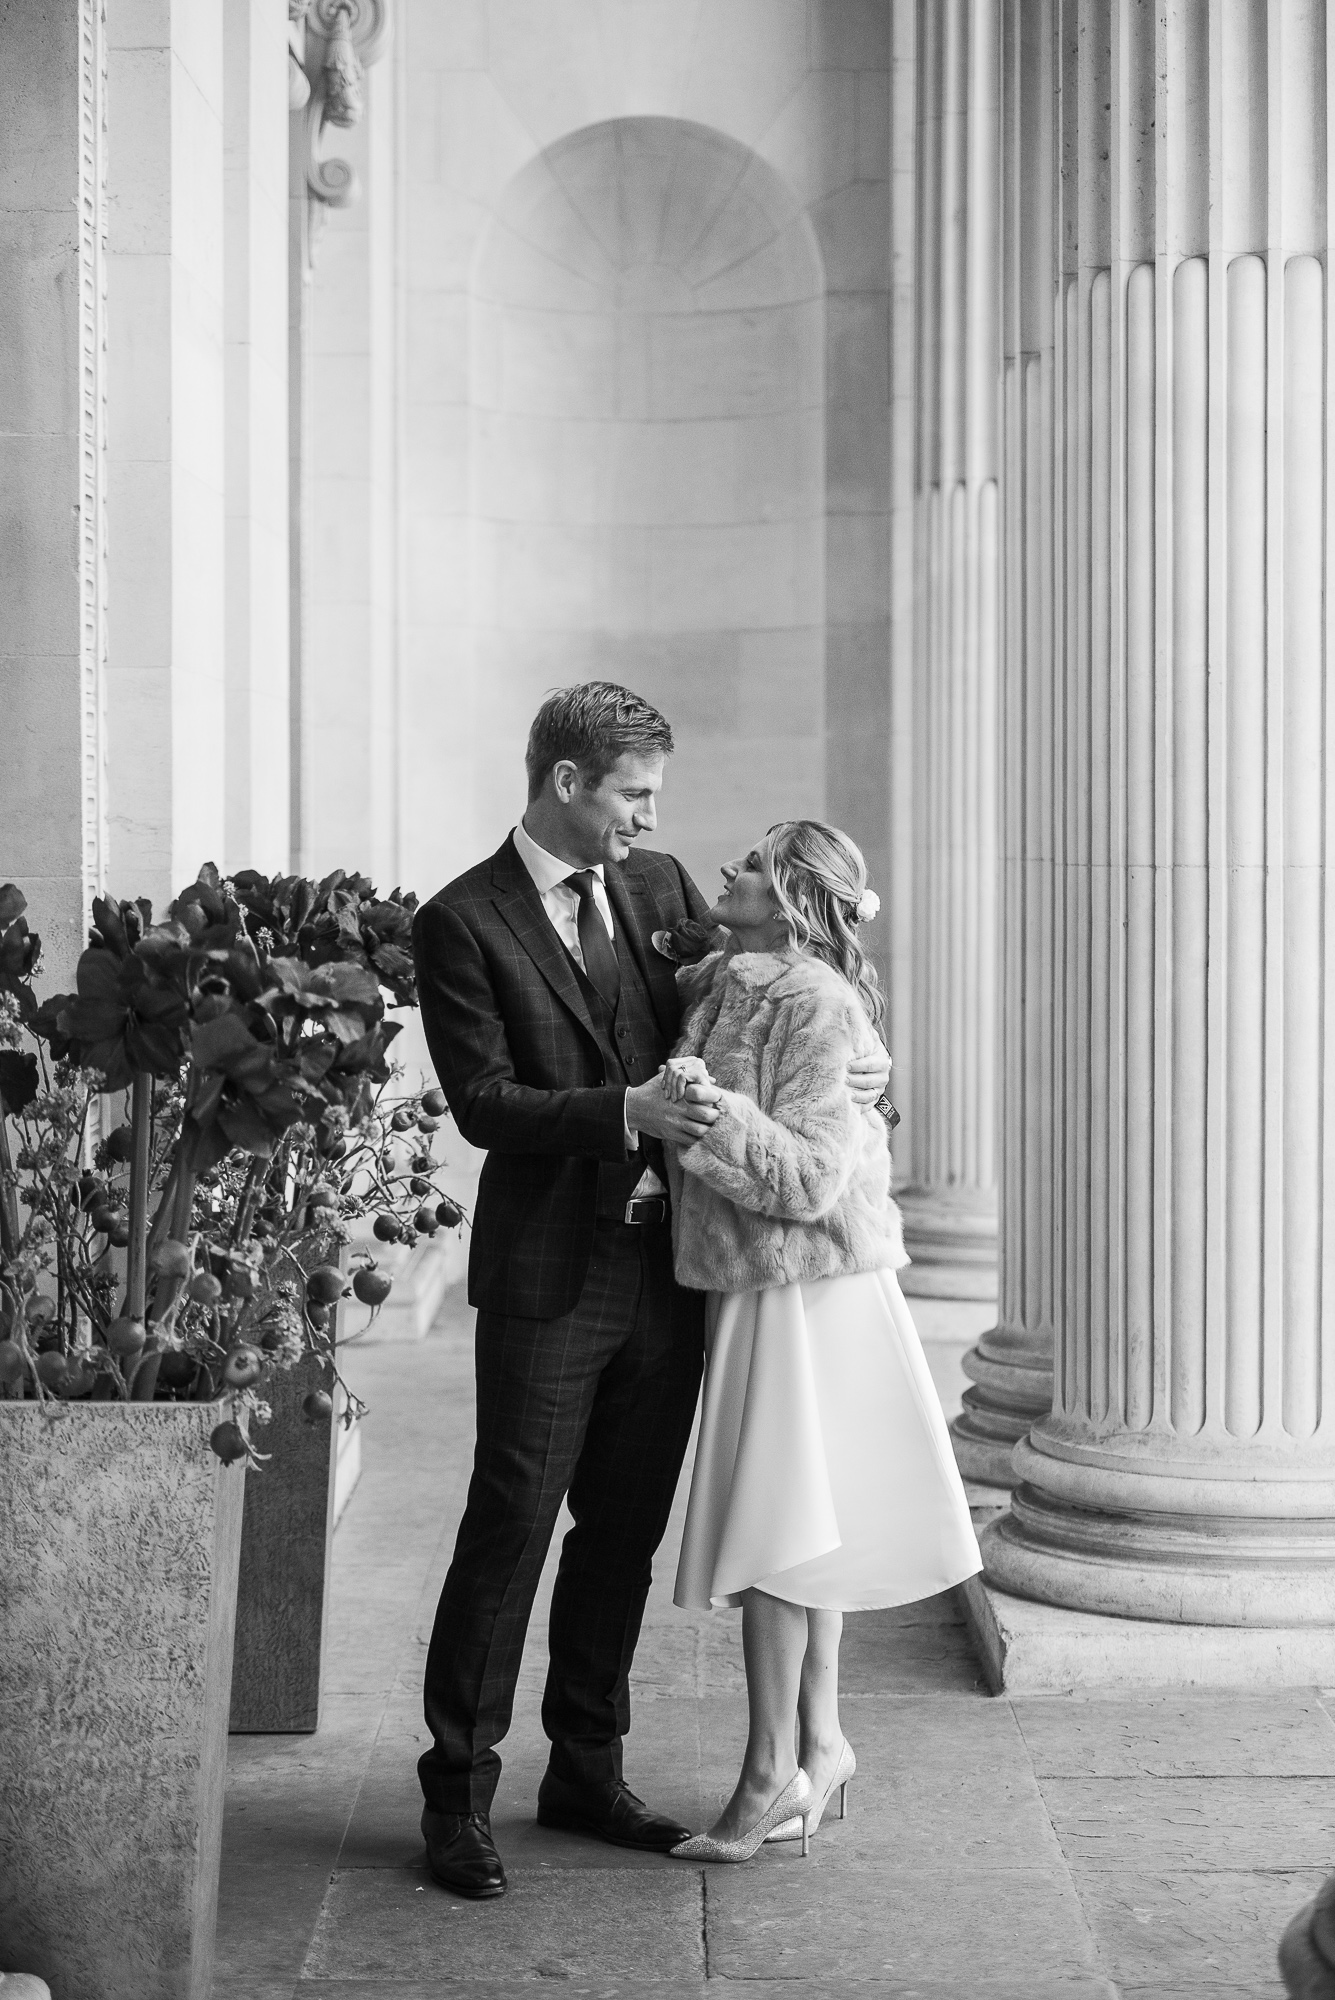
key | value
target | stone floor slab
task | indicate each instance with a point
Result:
(559, 1926)
(1080, 1986)
(822, 1920)
(1140, 1824)
(1193, 1935)
(1277, 1734)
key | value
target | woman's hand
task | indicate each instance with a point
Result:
(868, 1077)
(680, 1071)
(649, 1110)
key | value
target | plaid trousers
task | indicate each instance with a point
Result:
(596, 1404)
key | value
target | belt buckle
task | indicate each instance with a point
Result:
(642, 1208)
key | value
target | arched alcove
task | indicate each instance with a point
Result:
(648, 468)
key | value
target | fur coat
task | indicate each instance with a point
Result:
(793, 1182)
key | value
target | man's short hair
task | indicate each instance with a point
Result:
(591, 726)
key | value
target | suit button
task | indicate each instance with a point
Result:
(622, 1033)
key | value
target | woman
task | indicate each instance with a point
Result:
(824, 1480)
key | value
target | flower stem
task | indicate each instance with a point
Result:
(141, 1126)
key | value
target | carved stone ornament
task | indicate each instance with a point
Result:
(341, 38)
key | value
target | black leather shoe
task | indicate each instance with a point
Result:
(609, 1812)
(461, 1853)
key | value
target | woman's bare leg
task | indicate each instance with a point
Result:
(820, 1734)
(774, 1640)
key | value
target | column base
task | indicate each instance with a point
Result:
(1012, 1376)
(951, 1236)
(1028, 1648)
(1163, 1568)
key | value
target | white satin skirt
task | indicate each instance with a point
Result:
(823, 1472)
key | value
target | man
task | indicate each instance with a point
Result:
(548, 1013)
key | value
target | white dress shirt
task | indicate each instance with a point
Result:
(561, 903)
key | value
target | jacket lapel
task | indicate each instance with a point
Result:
(633, 910)
(518, 901)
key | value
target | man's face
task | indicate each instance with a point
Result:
(604, 819)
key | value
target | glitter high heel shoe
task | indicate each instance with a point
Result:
(843, 1771)
(794, 1799)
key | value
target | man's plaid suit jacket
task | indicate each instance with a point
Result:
(516, 1053)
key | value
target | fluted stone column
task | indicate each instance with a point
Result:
(1186, 1471)
(949, 1203)
(53, 384)
(1011, 1367)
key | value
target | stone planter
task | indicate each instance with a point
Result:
(282, 1605)
(119, 1538)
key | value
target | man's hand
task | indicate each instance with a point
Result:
(868, 1077)
(648, 1110)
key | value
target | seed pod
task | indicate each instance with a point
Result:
(372, 1287)
(425, 1220)
(226, 1440)
(205, 1289)
(172, 1259)
(243, 1366)
(126, 1337)
(433, 1103)
(318, 1407)
(324, 1285)
(449, 1214)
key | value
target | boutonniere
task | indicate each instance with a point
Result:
(687, 942)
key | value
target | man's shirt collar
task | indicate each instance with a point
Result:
(546, 869)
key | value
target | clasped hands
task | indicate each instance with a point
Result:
(682, 1101)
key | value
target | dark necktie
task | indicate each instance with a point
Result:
(600, 959)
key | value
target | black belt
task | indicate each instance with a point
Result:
(642, 1208)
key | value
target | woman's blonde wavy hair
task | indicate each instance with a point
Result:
(818, 877)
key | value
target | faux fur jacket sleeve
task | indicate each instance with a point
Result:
(793, 1180)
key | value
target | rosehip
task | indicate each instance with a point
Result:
(433, 1102)
(386, 1227)
(92, 1189)
(325, 1284)
(419, 1185)
(103, 1219)
(372, 1287)
(244, 1365)
(126, 1337)
(425, 1220)
(172, 1259)
(318, 1407)
(449, 1214)
(205, 1289)
(226, 1440)
(239, 1282)
(118, 1236)
(52, 1369)
(11, 1363)
(401, 1120)
(421, 1163)
(428, 1124)
(318, 1316)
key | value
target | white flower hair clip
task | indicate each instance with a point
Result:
(867, 906)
